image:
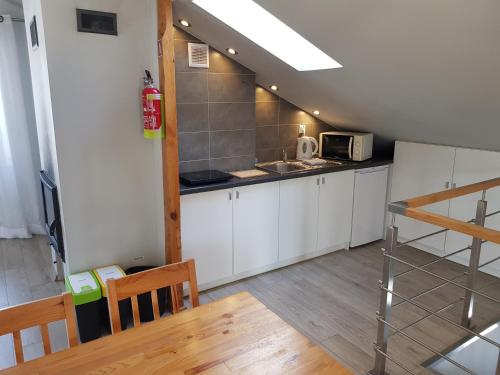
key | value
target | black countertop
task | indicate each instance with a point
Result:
(271, 176)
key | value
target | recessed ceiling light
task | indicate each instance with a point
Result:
(274, 87)
(184, 23)
(316, 112)
(267, 31)
(232, 51)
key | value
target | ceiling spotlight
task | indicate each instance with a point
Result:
(274, 87)
(231, 51)
(184, 23)
(316, 112)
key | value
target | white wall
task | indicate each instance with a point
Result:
(109, 176)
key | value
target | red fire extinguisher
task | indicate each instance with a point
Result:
(152, 104)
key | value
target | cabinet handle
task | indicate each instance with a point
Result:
(447, 185)
(230, 196)
(237, 195)
(323, 180)
(317, 181)
(454, 185)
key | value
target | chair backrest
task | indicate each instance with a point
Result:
(39, 313)
(133, 285)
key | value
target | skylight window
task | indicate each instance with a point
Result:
(267, 31)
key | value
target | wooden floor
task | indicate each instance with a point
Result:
(331, 299)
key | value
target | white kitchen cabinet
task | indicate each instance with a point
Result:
(298, 218)
(255, 226)
(206, 233)
(421, 169)
(335, 209)
(473, 166)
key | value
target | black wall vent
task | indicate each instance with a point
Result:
(91, 21)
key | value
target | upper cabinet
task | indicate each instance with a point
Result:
(255, 226)
(421, 169)
(335, 210)
(298, 224)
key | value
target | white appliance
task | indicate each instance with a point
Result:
(369, 207)
(305, 146)
(346, 145)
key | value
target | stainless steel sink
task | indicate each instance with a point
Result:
(283, 167)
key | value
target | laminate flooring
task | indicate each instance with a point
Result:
(331, 299)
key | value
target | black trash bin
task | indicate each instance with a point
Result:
(144, 300)
(103, 275)
(86, 293)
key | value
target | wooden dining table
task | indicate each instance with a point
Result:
(234, 335)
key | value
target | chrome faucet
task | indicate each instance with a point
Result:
(284, 156)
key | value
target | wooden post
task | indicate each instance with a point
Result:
(170, 150)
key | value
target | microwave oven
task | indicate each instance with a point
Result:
(346, 145)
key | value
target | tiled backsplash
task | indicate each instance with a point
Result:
(277, 124)
(225, 121)
(215, 110)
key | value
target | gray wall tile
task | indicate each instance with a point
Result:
(232, 143)
(182, 35)
(231, 116)
(231, 88)
(192, 117)
(268, 154)
(264, 95)
(225, 119)
(194, 166)
(233, 163)
(290, 114)
(288, 135)
(193, 146)
(220, 63)
(266, 113)
(267, 137)
(191, 87)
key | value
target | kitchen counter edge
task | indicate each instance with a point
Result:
(271, 176)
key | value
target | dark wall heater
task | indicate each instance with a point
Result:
(52, 214)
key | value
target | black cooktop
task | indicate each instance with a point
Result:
(211, 176)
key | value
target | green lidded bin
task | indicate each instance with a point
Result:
(86, 293)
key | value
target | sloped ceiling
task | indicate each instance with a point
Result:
(418, 70)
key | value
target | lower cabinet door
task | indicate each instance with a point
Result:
(206, 232)
(255, 226)
(298, 223)
(335, 209)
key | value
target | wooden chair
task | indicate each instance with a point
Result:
(39, 313)
(150, 281)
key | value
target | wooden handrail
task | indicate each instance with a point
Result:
(411, 208)
(452, 193)
(454, 224)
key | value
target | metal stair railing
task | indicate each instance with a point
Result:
(480, 234)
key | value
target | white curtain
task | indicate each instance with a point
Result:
(20, 192)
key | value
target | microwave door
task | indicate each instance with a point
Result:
(337, 146)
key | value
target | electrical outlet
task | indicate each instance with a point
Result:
(302, 129)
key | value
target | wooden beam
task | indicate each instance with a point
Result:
(453, 193)
(170, 150)
(454, 224)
